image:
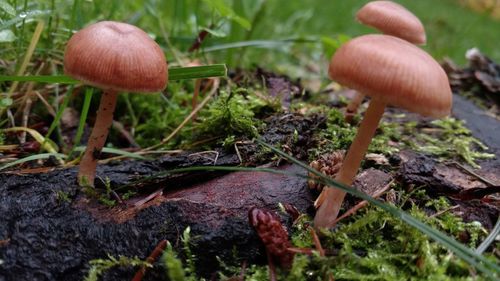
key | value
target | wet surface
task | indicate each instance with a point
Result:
(420, 171)
(51, 239)
(483, 126)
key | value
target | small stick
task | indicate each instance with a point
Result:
(444, 211)
(305, 251)
(317, 243)
(484, 180)
(151, 259)
(363, 203)
(320, 249)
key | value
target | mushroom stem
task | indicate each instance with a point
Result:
(97, 139)
(330, 199)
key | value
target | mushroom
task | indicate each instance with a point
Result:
(115, 57)
(392, 19)
(390, 71)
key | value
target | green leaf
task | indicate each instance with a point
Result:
(46, 144)
(6, 36)
(116, 151)
(179, 73)
(6, 7)
(226, 11)
(215, 33)
(330, 45)
(6, 102)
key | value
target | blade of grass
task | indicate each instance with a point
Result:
(490, 239)
(268, 44)
(46, 145)
(59, 113)
(83, 117)
(179, 73)
(116, 151)
(31, 158)
(197, 72)
(62, 79)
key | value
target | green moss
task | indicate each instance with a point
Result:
(448, 139)
(378, 246)
(452, 141)
(387, 139)
(105, 196)
(62, 196)
(99, 266)
(228, 117)
(340, 134)
(175, 268)
(337, 135)
(374, 245)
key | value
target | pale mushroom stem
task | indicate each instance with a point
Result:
(352, 107)
(97, 139)
(330, 200)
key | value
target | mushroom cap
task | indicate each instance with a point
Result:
(394, 71)
(393, 19)
(116, 56)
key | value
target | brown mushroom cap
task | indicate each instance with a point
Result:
(394, 71)
(393, 19)
(116, 56)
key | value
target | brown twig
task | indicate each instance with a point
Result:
(317, 243)
(472, 173)
(363, 203)
(151, 259)
(444, 211)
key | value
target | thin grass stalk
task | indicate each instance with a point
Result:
(59, 113)
(83, 118)
(27, 58)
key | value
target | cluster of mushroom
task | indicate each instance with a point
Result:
(391, 71)
(115, 57)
